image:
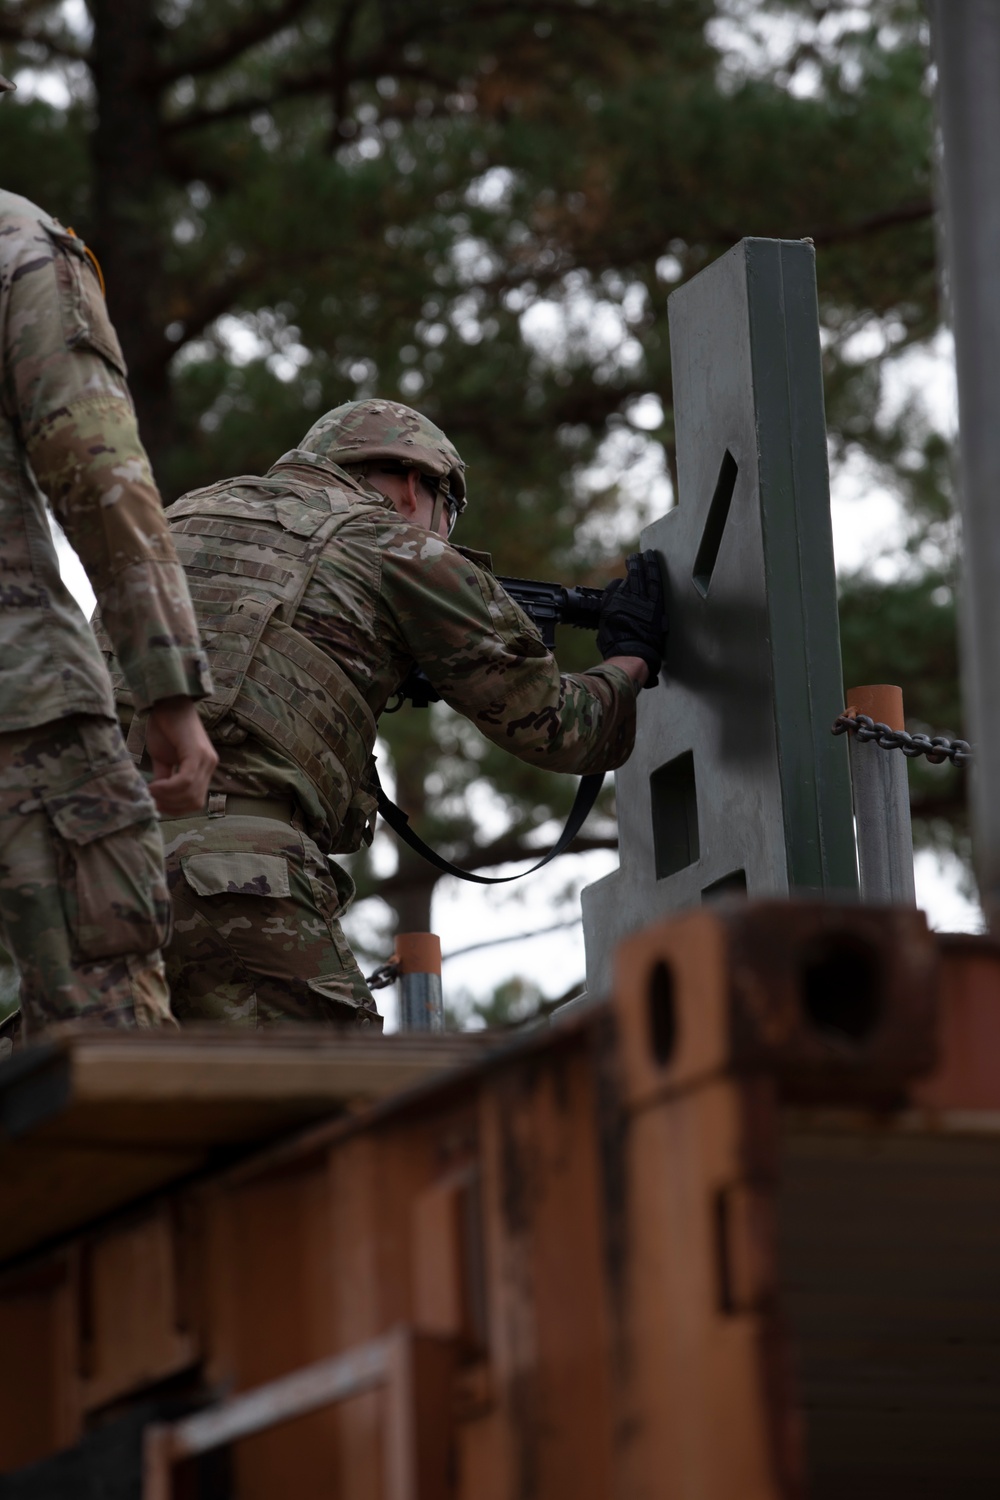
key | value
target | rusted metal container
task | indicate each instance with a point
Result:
(730, 1232)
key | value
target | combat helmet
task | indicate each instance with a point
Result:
(361, 432)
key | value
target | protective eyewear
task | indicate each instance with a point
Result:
(453, 507)
(452, 502)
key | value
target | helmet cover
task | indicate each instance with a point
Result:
(364, 431)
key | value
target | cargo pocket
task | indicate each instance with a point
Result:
(338, 998)
(332, 892)
(111, 865)
(240, 873)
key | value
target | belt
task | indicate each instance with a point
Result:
(280, 809)
(224, 805)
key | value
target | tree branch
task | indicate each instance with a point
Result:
(220, 296)
(12, 31)
(511, 937)
(335, 79)
(835, 234)
(538, 10)
(258, 28)
(340, 80)
(904, 213)
(316, 81)
(945, 805)
(565, 255)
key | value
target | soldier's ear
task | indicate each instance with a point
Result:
(413, 496)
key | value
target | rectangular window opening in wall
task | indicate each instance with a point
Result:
(715, 524)
(733, 884)
(675, 816)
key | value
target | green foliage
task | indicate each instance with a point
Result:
(510, 1004)
(481, 209)
(906, 633)
(45, 145)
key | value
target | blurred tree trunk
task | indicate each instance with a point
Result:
(412, 902)
(128, 178)
(412, 906)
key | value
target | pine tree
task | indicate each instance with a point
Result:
(481, 208)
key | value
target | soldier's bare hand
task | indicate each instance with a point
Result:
(182, 755)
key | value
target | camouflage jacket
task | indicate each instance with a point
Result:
(382, 595)
(68, 429)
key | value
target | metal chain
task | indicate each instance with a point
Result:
(384, 975)
(936, 749)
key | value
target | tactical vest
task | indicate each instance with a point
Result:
(249, 547)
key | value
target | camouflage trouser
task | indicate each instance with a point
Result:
(83, 903)
(256, 938)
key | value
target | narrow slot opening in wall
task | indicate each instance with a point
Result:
(715, 524)
(733, 884)
(675, 816)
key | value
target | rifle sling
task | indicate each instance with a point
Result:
(586, 796)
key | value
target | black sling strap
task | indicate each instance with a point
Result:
(586, 796)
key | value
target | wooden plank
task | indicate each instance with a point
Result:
(356, 1187)
(90, 1121)
(211, 1070)
(130, 1309)
(418, 1420)
(277, 1316)
(46, 1192)
(39, 1384)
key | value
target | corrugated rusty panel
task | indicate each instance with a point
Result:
(889, 1248)
(130, 1309)
(354, 1185)
(40, 1399)
(548, 1318)
(966, 1071)
(592, 1211)
(699, 1348)
(269, 1299)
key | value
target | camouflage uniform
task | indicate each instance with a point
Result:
(83, 906)
(315, 600)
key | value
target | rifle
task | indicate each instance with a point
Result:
(547, 604)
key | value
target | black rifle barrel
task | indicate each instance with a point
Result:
(552, 604)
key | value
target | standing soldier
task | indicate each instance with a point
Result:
(83, 903)
(318, 587)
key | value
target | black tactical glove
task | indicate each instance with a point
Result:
(633, 614)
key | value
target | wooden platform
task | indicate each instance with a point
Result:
(90, 1120)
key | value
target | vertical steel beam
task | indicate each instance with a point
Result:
(881, 803)
(967, 49)
(421, 1006)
